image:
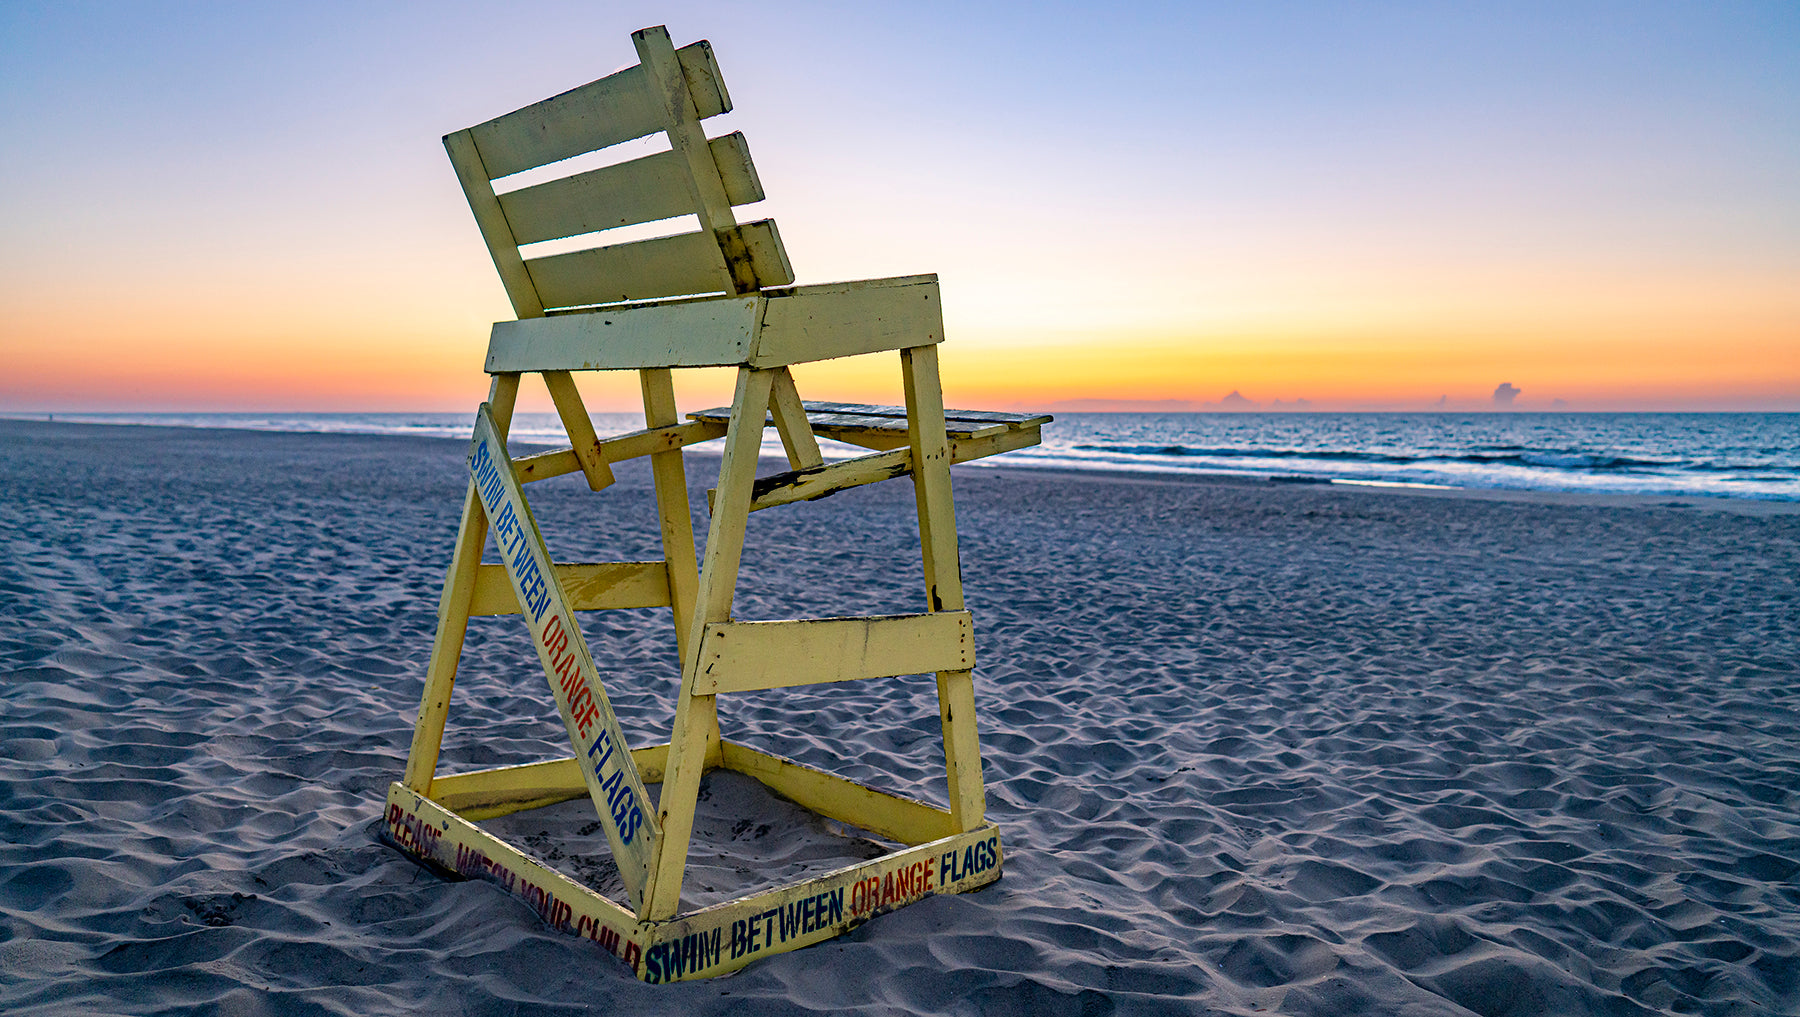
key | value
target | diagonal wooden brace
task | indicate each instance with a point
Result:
(612, 778)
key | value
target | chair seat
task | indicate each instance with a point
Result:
(850, 422)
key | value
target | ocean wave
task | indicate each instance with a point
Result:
(1563, 460)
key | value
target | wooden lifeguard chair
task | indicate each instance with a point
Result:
(719, 296)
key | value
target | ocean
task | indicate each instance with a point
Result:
(1723, 455)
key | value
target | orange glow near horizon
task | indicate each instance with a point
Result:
(213, 373)
(258, 216)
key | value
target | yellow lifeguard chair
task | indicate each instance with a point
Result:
(719, 296)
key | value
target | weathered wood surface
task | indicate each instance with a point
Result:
(795, 325)
(687, 333)
(687, 141)
(613, 782)
(725, 937)
(648, 442)
(746, 656)
(599, 114)
(821, 481)
(711, 941)
(1012, 419)
(850, 421)
(675, 520)
(663, 267)
(808, 323)
(589, 586)
(943, 578)
(580, 429)
(625, 194)
(789, 417)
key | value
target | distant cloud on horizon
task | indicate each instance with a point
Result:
(1235, 402)
(1505, 394)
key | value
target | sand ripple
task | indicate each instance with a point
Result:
(1252, 748)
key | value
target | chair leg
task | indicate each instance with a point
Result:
(695, 715)
(453, 611)
(943, 576)
(669, 470)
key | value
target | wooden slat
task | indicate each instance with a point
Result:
(596, 115)
(746, 656)
(649, 269)
(617, 790)
(689, 333)
(642, 190)
(886, 815)
(590, 586)
(807, 323)
(502, 246)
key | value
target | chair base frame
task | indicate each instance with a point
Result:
(439, 830)
(432, 817)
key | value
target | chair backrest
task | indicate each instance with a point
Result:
(670, 91)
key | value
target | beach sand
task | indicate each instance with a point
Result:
(1253, 747)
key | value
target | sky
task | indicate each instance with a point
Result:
(217, 207)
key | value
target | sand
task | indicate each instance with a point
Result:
(1254, 748)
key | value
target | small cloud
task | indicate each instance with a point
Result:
(1505, 394)
(1559, 404)
(1297, 406)
(1234, 401)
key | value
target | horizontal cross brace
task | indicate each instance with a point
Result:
(545, 465)
(590, 586)
(747, 656)
(818, 481)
